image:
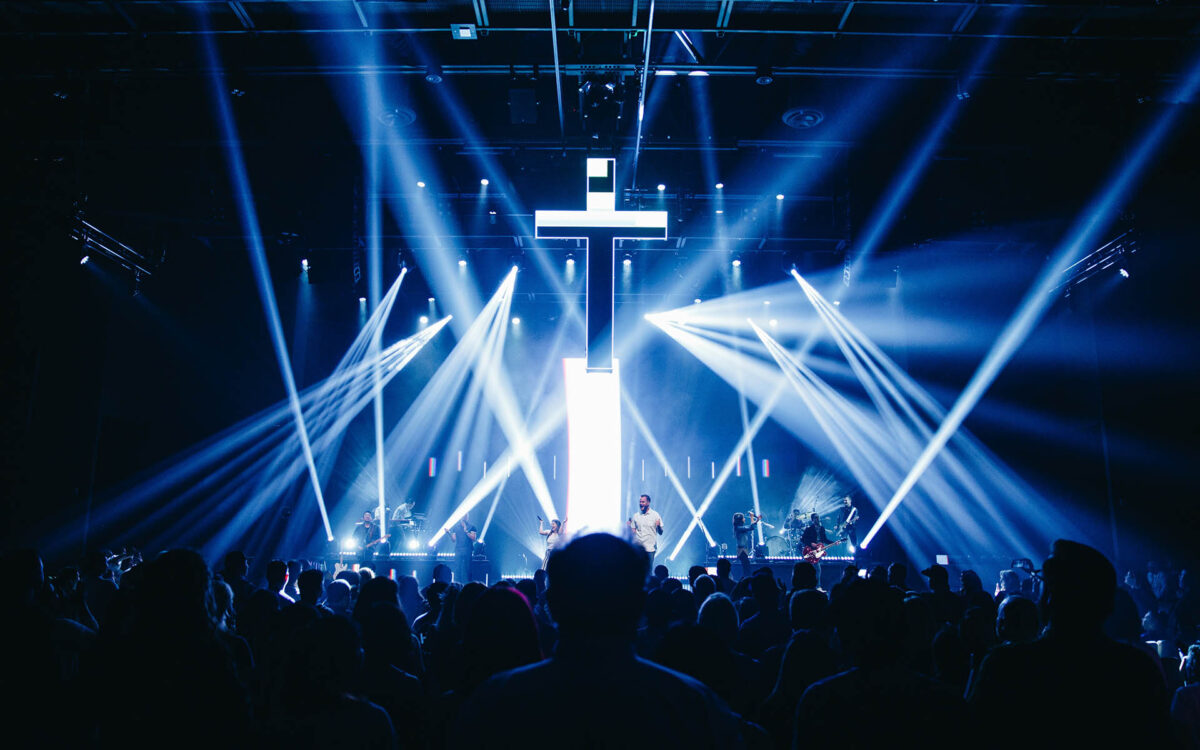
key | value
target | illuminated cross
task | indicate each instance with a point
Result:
(593, 384)
(600, 226)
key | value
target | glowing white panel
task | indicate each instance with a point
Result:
(593, 447)
(601, 184)
(616, 220)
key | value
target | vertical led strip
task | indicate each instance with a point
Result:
(593, 447)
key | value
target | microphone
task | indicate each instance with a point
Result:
(539, 518)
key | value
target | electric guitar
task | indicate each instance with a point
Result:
(383, 538)
(815, 551)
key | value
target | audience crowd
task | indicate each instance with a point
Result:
(599, 651)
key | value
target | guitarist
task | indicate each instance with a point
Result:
(847, 518)
(813, 542)
(366, 533)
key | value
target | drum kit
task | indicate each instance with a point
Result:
(408, 525)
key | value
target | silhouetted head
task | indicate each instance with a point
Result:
(938, 577)
(1191, 664)
(1079, 586)
(738, 518)
(441, 573)
(804, 576)
(337, 595)
(176, 589)
(870, 623)
(365, 574)
(703, 587)
(683, 606)
(897, 574)
(222, 602)
(499, 635)
(695, 572)
(1010, 581)
(276, 574)
(661, 573)
(596, 587)
(658, 608)
(386, 637)
(1017, 620)
(718, 614)
(724, 567)
(376, 591)
(970, 582)
(528, 589)
(351, 578)
(808, 610)
(765, 592)
(235, 565)
(311, 585)
(539, 579)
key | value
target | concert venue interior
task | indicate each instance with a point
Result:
(272, 265)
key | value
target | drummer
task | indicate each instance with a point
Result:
(403, 513)
(795, 523)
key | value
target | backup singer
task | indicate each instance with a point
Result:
(743, 533)
(647, 526)
(554, 537)
(464, 545)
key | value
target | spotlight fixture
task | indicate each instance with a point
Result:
(779, 196)
(720, 210)
(420, 183)
(1122, 271)
(570, 259)
(424, 319)
(413, 544)
(773, 323)
(462, 263)
(665, 72)
(484, 182)
(304, 264)
(432, 300)
(737, 263)
(697, 74)
(362, 300)
(720, 186)
(696, 301)
(433, 74)
(766, 302)
(516, 321)
(661, 187)
(83, 261)
(628, 260)
(837, 302)
(492, 212)
(763, 75)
